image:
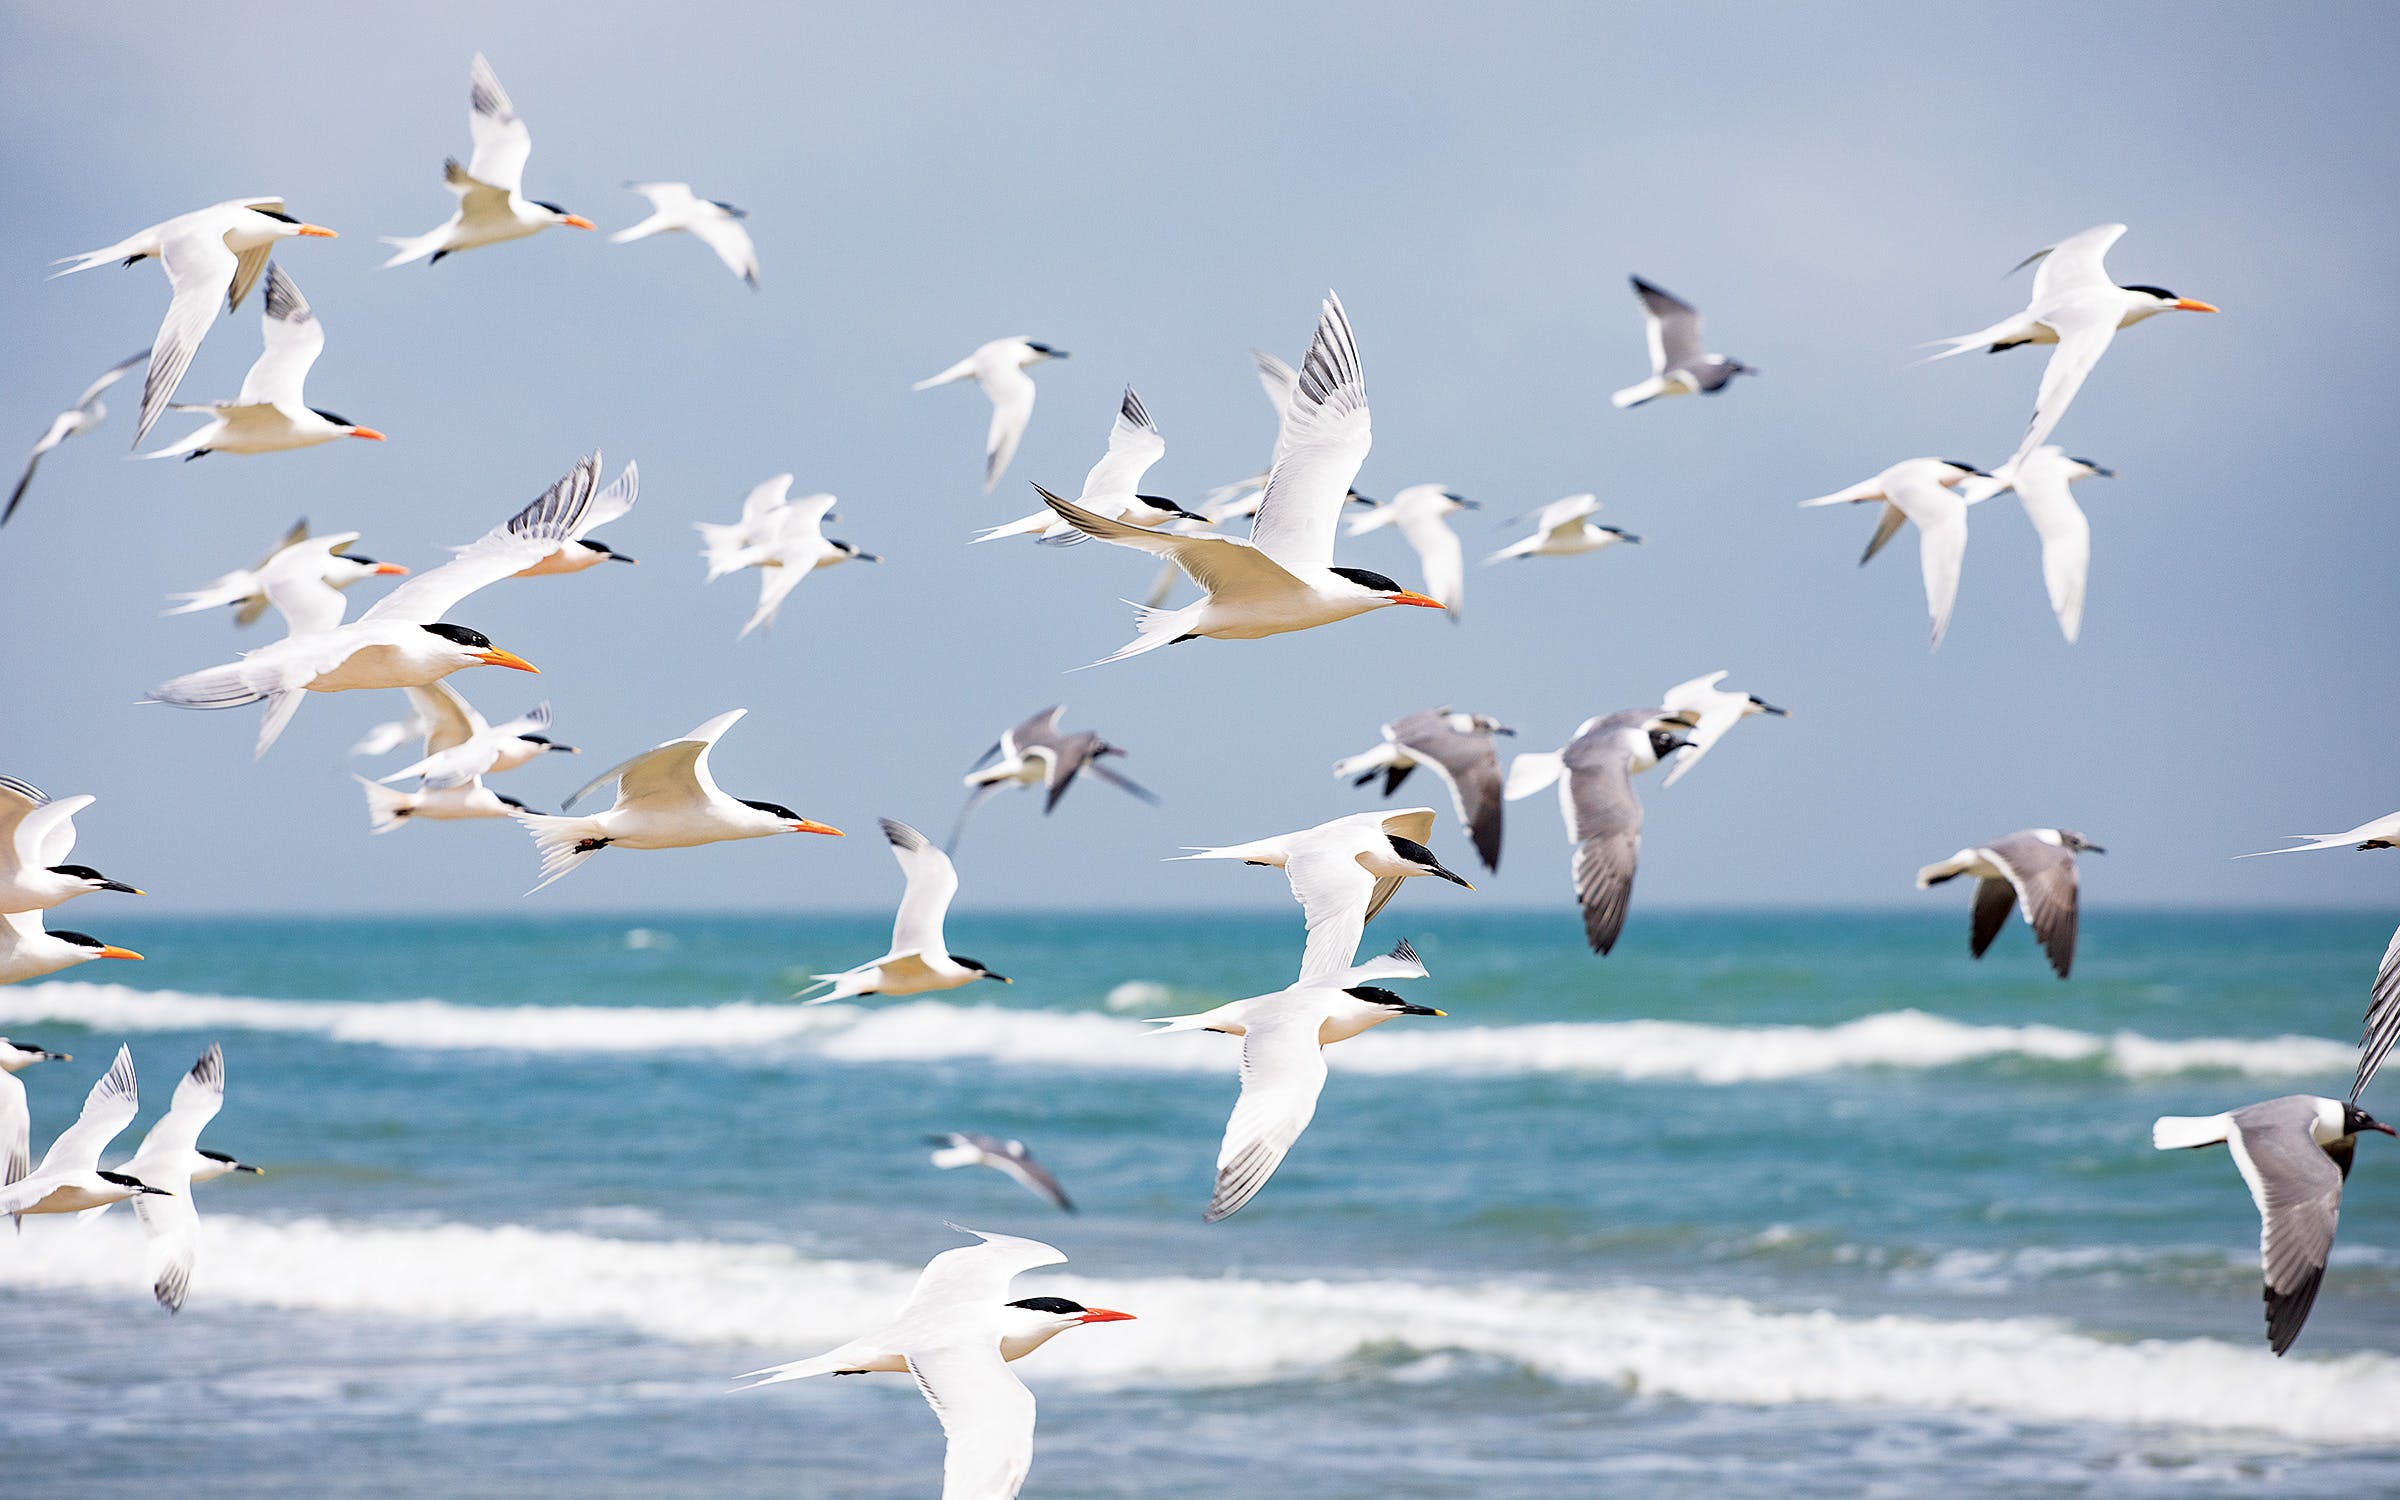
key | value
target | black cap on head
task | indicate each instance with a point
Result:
(338, 420)
(79, 939)
(777, 808)
(2160, 292)
(460, 635)
(1368, 578)
(1058, 1305)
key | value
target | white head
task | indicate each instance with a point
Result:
(16, 1057)
(1384, 589)
(1031, 352)
(1030, 1322)
(2150, 301)
(345, 569)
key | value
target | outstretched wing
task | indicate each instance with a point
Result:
(511, 547)
(1283, 1072)
(502, 143)
(1325, 438)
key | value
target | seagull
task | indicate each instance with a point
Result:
(1038, 752)
(2032, 870)
(27, 952)
(170, 1162)
(2076, 307)
(401, 641)
(271, 415)
(1418, 512)
(1284, 1037)
(1283, 578)
(1595, 795)
(69, 1180)
(1711, 710)
(712, 221)
(37, 833)
(784, 539)
(461, 745)
(1112, 487)
(999, 368)
(1561, 530)
(16, 1120)
(918, 961)
(959, 1149)
(1458, 748)
(2295, 1154)
(326, 559)
(955, 1334)
(88, 412)
(580, 551)
(1918, 489)
(666, 799)
(2040, 480)
(490, 209)
(1343, 873)
(210, 253)
(1678, 364)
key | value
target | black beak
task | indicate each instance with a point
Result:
(2099, 470)
(563, 750)
(1769, 708)
(1003, 978)
(2093, 849)
(156, 1192)
(1504, 729)
(1464, 503)
(1421, 1010)
(873, 557)
(1453, 877)
(621, 557)
(243, 1166)
(119, 885)
(54, 1056)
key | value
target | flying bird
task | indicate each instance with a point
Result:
(1563, 528)
(1419, 511)
(1709, 711)
(580, 550)
(784, 539)
(389, 807)
(1342, 873)
(1039, 753)
(1680, 364)
(712, 221)
(2033, 871)
(918, 961)
(1594, 774)
(999, 369)
(1456, 747)
(37, 833)
(299, 559)
(271, 415)
(16, 1120)
(1919, 490)
(171, 1162)
(69, 1180)
(460, 744)
(28, 952)
(2383, 1006)
(88, 412)
(1112, 487)
(491, 209)
(2040, 479)
(961, 1149)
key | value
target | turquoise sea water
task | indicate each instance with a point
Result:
(1763, 1205)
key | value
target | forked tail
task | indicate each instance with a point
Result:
(565, 842)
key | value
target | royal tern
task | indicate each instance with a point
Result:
(784, 539)
(69, 1179)
(956, 1335)
(272, 414)
(918, 961)
(1595, 775)
(1918, 489)
(491, 210)
(712, 221)
(2294, 1152)
(580, 551)
(1284, 1037)
(1458, 748)
(1342, 873)
(37, 833)
(999, 368)
(88, 412)
(962, 1149)
(170, 1161)
(1039, 753)
(16, 1120)
(2033, 871)
(1112, 488)
(1710, 711)
(326, 559)
(1563, 529)
(666, 799)
(461, 745)
(1418, 511)
(389, 807)
(1679, 364)
(27, 952)
(210, 253)
(2077, 307)
(2383, 1006)
(2040, 480)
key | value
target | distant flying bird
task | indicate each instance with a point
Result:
(298, 560)
(960, 1149)
(171, 1161)
(1418, 511)
(1711, 711)
(491, 210)
(27, 952)
(1039, 753)
(1284, 1037)
(2032, 871)
(37, 833)
(1595, 775)
(2040, 480)
(271, 415)
(88, 412)
(69, 1180)
(2294, 1152)
(213, 252)
(1918, 489)
(730, 546)
(711, 221)
(956, 1335)
(1112, 487)
(1458, 748)
(1561, 529)
(1679, 364)
(918, 962)
(2077, 307)
(666, 799)
(460, 744)
(1342, 873)
(580, 550)
(999, 368)
(16, 1120)
(784, 539)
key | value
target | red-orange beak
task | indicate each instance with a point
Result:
(369, 433)
(499, 658)
(113, 951)
(2194, 304)
(811, 825)
(1419, 600)
(393, 569)
(579, 221)
(1103, 1315)
(318, 232)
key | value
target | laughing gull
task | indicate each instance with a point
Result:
(69, 1180)
(1457, 748)
(1419, 511)
(1679, 364)
(1563, 529)
(1710, 711)
(999, 369)
(964, 1149)
(2040, 479)
(1342, 874)
(1918, 489)
(1039, 752)
(1595, 795)
(918, 961)
(2032, 870)
(171, 1160)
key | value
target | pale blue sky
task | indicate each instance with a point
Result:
(1156, 191)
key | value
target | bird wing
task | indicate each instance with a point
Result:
(450, 721)
(2066, 539)
(1994, 900)
(198, 1097)
(511, 547)
(1011, 392)
(1334, 891)
(1283, 1072)
(1941, 519)
(17, 800)
(199, 268)
(1712, 714)
(724, 234)
(1068, 755)
(799, 560)
(970, 1276)
(2298, 1189)
(2044, 876)
(171, 1237)
(108, 377)
(932, 881)
(1325, 440)
(45, 836)
(1604, 819)
(674, 774)
(294, 339)
(1673, 325)
(502, 143)
(1227, 567)
(765, 498)
(309, 605)
(986, 1413)
(612, 503)
(1276, 378)
(107, 1109)
(1438, 554)
(1133, 446)
(1469, 764)
(2072, 264)
(1017, 1162)
(16, 1131)
(2383, 1018)
(2085, 330)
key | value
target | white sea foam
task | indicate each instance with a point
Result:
(927, 1030)
(767, 1302)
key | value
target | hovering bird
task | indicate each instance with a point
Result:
(37, 833)
(461, 745)
(1111, 487)
(999, 368)
(2032, 870)
(960, 1149)
(712, 221)
(1709, 711)
(956, 1335)
(1038, 752)
(918, 961)
(1343, 873)
(1418, 512)
(298, 559)
(1918, 489)
(580, 550)
(271, 415)
(2077, 307)
(1284, 1037)
(88, 412)
(1458, 748)
(2294, 1152)
(1595, 775)
(16, 1120)
(1561, 529)
(2040, 480)
(401, 641)
(491, 210)
(213, 252)
(171, 1162)
(27, 952)
(1679, 365)
(666, 799)
(784, 539)
(69, 1179)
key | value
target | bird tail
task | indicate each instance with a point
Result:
(1023, 526)
(2307, 841)
(215, 687)
(1207, 1020)
(655, 224)
(720, 547)
(1154, 628)
(215, 596)
(387, 807)
(842, 986)
(960, 371)
(68, 265)
(1967, 343)
(1532, 772)
(799, 1369)
(406, 248)
(1635, 395)
(2180, 1132)
(1520, 548)
(563, 841)
(1259, 852)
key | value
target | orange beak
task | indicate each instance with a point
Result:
(1104, 1315)
(2194, 304)
(579, 221)
(116, 952)
(811, 825)
(393, 569)
(317, 232)
(499, 658)
(369, 433)
(1419, 600)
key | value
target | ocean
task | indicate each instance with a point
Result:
(1764, 1205)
